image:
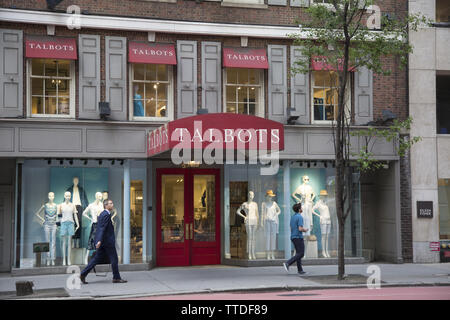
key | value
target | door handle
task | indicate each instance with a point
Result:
(192, 230)
(186, 233)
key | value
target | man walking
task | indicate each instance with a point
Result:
(297, 239)
(105, 244)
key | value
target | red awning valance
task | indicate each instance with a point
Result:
(245, 58)
(220, 130)
(319, 63)
(155, 53)
(51, 48)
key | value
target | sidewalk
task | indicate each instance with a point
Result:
(164, 281)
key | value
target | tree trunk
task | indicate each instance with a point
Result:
(341, 251)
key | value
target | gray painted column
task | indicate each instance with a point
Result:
(226, 210)
(149, 202)
(287, 205)
(126, 212)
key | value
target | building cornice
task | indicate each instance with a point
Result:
(146, 25)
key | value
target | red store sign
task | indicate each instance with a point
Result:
(245, 58)
(51, 48)
(155, 53)
(219, 130)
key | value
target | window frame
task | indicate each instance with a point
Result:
(259, 110)
(170, 96)
(29, 95)
(348, 92)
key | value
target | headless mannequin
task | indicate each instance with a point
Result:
(251, 222)
(48, 222)
(325, 223)
(269, 222)
(67, 208)
(94, 209)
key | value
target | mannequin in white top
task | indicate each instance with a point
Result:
(67, 230)
(92, 212)
(269, 222)
(307, 196)
(325, 221)
(251, 217)
(48, 222)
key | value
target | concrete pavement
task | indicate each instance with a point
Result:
(204, 279)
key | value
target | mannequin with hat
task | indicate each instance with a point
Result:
(325, 220)
(249, 211)
(269, 222)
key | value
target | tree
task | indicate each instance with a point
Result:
(337, 36)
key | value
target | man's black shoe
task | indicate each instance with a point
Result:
(301, 273)
(119, 281)
(83, 279)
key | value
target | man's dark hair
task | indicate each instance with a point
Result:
(297, 207)
(105, 202)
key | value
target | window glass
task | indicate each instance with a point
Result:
(442, 11)
(259, 216)
(443, 104)
(325, 95)
(444, 208)
(242, 90)
(50, 86)
(151, 89)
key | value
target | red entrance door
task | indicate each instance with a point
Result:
(188, 217)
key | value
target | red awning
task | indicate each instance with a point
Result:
(245, 58)
(219, 131)
(155, 53)
(319, 63)
(51, 48)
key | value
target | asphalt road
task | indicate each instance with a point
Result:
(390, 293)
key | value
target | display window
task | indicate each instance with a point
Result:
(444, 208)
(152, 92)
(260, 209)
(60, 205)
(244, 91)
(50, 86)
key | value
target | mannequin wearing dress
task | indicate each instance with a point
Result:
(325, 221)
(92, 212)
(48, 221)
(68, 221)
(79, 199)
(307, 196)
(269, 222)
(251, 218)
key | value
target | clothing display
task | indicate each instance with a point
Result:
(67, 211)
(50, 214)
(67, 229)
(251, 216)
(79, 199)
(307, 196)
(91, 244)
(50, 237)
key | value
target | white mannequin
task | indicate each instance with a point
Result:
(94, 209)
(69, 212)
(105, 196)
(251, 222)
(307, 196)
(269, 222)
(48, 221)
(325, 221)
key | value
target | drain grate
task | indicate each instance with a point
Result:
(298, 294)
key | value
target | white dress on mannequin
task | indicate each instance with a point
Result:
(325, 224)
(251, 222)
(270, 222)
(307, 195)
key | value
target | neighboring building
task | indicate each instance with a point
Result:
(158, 63)
(429, 105)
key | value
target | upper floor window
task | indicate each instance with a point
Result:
(443, 103)
(152, 91)
(442, 11)
(244, 91)
(50, 84)
(325, 93)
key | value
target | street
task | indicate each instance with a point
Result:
(391, 293)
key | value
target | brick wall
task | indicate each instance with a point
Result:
(390, 92)
(192, 10)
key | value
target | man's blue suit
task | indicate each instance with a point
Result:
(104, 234)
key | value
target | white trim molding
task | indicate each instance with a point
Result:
(145, 25)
